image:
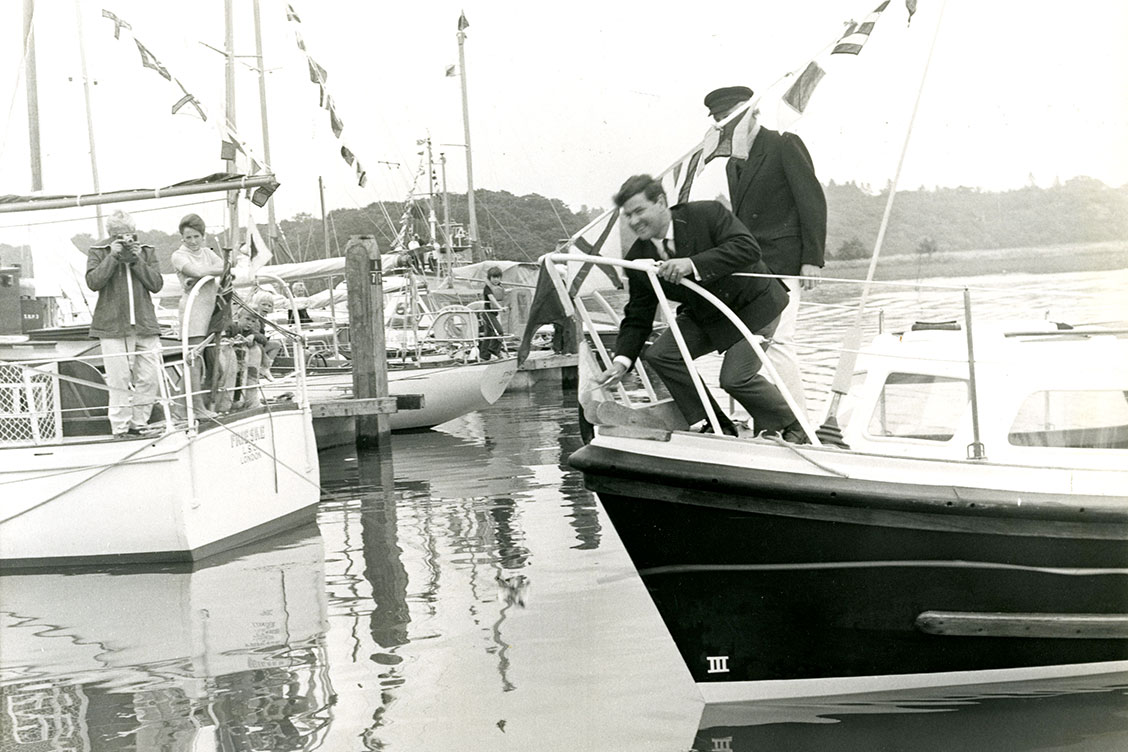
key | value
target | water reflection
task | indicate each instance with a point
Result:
(1086, 713)
(228, 656)
(434, 548)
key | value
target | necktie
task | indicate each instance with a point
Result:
(664, 250)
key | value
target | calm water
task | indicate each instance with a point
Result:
(463, 592)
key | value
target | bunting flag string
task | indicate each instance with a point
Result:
(118, 23)
(607, 236)
(851, 42)
(318, 75)
(854, 39)
(188, 98)
(149, 60)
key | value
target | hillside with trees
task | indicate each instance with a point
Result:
(521, 228)
(1081, 210)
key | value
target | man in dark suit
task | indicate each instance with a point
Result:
(776, 195)
(701, 240)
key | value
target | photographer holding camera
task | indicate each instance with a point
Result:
(124, 272)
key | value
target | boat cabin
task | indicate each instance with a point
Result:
(1043, 395)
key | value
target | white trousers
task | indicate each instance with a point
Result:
(131, 374)
(782, 352)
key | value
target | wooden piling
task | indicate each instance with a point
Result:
(366, 336)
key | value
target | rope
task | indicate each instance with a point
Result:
(125, 460)
(122, 461)
(777, 439)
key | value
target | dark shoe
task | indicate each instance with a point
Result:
(794, 434)
(146, 432)
(727, 427)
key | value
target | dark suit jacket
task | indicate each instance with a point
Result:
(719, 245)
(779, 199)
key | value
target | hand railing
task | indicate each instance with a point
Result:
(650, 268)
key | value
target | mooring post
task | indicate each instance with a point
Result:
(366, 335)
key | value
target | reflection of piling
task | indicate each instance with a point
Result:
(366, 335)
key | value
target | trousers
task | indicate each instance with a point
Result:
(740, 377)
(131, 374)
(782, 352)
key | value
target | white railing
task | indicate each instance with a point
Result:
(649, 268)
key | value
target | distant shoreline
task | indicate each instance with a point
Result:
(1074, 257)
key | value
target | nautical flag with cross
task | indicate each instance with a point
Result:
(607, 236)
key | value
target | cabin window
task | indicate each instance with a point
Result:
(1079, 419)
(919, 406)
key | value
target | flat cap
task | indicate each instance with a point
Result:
(722, 99)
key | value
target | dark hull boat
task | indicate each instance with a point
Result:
(773, 587)
(970, 525)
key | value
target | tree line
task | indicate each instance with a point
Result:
(1081, 210)
(521, 228)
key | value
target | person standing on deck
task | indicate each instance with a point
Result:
(124, 273)
(776, 195)
(193, 261)
(494, 296)
(704, 241)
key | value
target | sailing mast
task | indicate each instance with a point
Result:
(432, 220)
(229, 66)
(89, 117)
(463, 24)
(272, 225)
(32, 94)
(449, 255)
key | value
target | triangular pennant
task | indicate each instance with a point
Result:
(150, 61)
(317, 74)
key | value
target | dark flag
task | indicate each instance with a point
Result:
(263, 193)
(547, 308)
(800, 92)
(347, 155)
(463, 24)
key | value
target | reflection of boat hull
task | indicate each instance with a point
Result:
(1063, 710)
(448, 391)
(158, 499)
(776, 581)
(200, 651)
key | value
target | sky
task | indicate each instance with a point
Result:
(567, 100)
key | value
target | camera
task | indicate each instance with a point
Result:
(127, 238)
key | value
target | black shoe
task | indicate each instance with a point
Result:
(728, 428)
(794, 434)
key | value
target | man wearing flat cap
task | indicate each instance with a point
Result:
(776, 195)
